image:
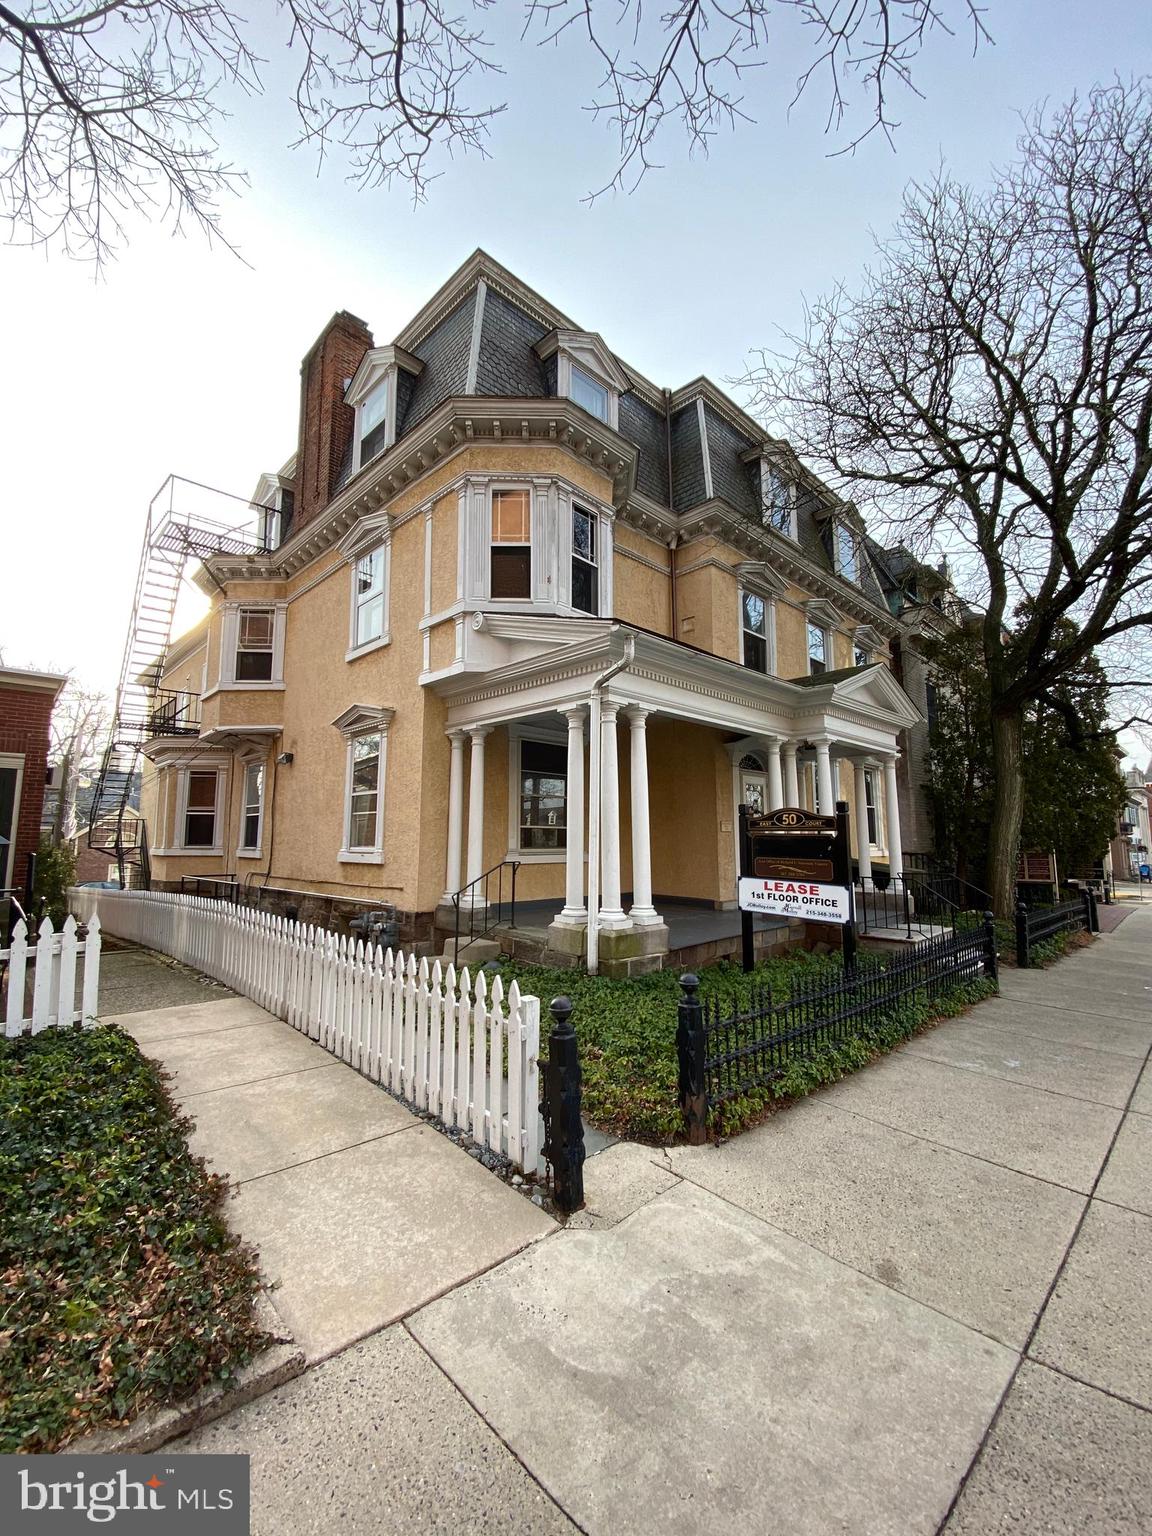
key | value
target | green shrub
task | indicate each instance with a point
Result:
(55, 872)
(627, 1034)
(121, 1286)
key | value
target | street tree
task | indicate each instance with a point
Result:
(988, 390)
(114, 106)
(80, 724)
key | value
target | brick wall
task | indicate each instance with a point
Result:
(326, 423)
(25, 714)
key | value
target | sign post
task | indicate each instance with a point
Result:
(796, 864)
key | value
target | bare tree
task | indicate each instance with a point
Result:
(989, 388)
(113, 107)
(80, 723)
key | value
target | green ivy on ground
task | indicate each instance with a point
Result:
(627, 1034)
(121, 1287)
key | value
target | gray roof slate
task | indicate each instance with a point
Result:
(444, 353)
(688, 484)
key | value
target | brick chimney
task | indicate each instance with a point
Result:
(326, 423)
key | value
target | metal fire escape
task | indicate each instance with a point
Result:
(179, 530)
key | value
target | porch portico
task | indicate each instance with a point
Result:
(628, 755)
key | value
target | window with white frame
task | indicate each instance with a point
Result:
(201, 793)
(872, 801)
(252, 809)
(589, 393)
(510, 568)
(369, 598)
(817, 649)
(372, 422)
(754, 626)
(861, 656)
(847, 564)
(777, 502)
(585, 567)
(255, 645)
(543, 796)
(362, 832)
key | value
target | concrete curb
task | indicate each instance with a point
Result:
(279, 1363)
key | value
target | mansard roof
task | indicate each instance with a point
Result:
(484, 333)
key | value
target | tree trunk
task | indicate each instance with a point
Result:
(1007, 809)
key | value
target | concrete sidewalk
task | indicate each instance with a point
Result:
(913, 1303)
(359, 1209)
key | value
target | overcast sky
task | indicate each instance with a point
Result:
(182, 359)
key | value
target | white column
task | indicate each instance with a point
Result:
(825, 799)
(775, 781)
(574, 909)
(611, 912)
(476, 805)
(642, 910)
(892, 810)
(791, 777)
(863, 853)
(452, 874)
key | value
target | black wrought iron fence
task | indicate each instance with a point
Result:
(723, 1055)
(1036, 925)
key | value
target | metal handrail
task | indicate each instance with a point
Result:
(489, 923)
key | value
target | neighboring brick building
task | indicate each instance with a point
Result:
(26, 702)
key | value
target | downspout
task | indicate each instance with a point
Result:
(594, 698)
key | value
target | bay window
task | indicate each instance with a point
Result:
(510, 568)
(201, 792)
(255, 645)
(585, 570)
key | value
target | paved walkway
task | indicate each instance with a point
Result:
(915, 1303)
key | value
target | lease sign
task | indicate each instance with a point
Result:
(809, 899)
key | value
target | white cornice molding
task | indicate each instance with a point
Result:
(758, 575)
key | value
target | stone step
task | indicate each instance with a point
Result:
(472, 952)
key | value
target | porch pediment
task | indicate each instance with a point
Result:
(874, 687)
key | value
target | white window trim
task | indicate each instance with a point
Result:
(842, 525)
(769, 601)
(219, 766)
(827, 633)
(258, 851)
(230, 639)
(364, 720)
(766, 464)
(379, 366)
(13, 760)
(551, 529)
(516, 735)
(385, 636)
(878, 805)
(589, 354)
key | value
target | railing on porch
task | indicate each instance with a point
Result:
(475, 913)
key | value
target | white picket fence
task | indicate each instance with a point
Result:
(55, 958)
(444, 1042)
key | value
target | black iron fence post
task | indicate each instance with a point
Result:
(690, 1049)
(564, 1140)
(991, 958)
(1023, 950)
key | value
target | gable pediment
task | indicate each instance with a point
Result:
(820, 611)
(588, 349)
(376, 365)
(358, 719)
(759, 576)
(874, 687)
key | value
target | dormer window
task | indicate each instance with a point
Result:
(373, 423)
(589, 393)
(777, 500)
(586, 372)
(373, 392)
(847, 564)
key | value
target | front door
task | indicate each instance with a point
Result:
(754, 792)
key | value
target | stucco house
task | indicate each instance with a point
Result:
(512, 602)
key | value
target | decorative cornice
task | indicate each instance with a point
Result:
(358, 719)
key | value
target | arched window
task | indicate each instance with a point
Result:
(750, 763)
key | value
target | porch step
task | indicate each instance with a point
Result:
(472, 952)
